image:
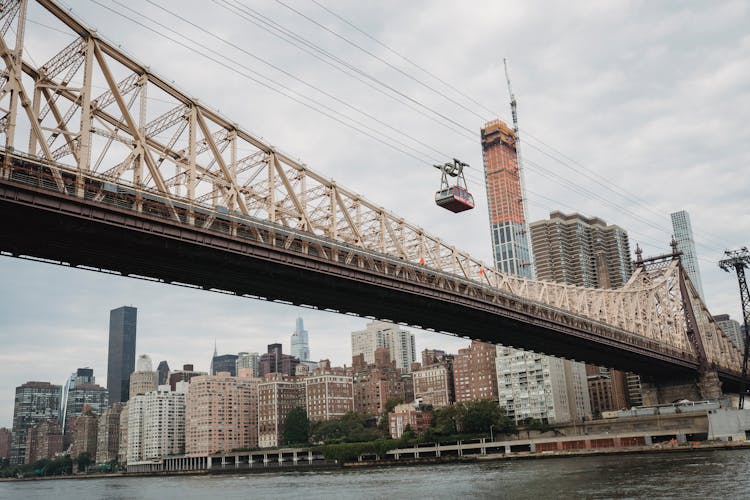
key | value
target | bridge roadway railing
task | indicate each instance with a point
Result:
(39, 173)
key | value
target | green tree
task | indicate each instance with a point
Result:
(392, 403)
(477, 416)
(297, 427)
(382, 426)
(445, 420)
(351, 427)
(83, 460)
(408, 437)
(540, 425)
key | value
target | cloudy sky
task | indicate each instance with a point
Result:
(629, 111)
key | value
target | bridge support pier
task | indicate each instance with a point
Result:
(704, 386)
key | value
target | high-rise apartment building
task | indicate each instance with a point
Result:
(275, 361)
(278, 395)
(731, 329)
(380, 334)
(328, 396)
(300, 342)
(474, 375)
(5, 441)
(683, 235)
(608, 389)
(249, 360)
(35, 402)
(583, 251)
(43, 441)
(222, 413)
(432, 356)
(156, 424)
(121, 354)
(510, 243)
(377, 383)
(108, 434)
(80, 391)
(185, 375)
(541, 387)
(122, 448)
(512, 254)
(85, 439)
(586, 251)
(433, 384)
(144, 379)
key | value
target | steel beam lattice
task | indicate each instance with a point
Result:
(142, 137)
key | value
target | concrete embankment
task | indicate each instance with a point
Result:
(639, 450)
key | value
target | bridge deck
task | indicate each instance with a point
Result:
(222, 252)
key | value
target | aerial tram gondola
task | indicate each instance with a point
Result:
(456, 197)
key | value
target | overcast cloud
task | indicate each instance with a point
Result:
(652, 96)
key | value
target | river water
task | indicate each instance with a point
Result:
(714, 474)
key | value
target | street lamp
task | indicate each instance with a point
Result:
(492, 439)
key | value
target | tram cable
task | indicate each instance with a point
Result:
(472, 136)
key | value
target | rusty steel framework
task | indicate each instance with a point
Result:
(93, 114)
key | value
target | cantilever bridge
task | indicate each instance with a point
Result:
(119, 182)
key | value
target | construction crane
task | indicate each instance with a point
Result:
(513, 109)
(738, 261)
(522, 178)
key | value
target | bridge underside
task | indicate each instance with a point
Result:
(46, 225)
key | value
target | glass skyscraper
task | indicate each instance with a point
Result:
(300, 342)
(683, 234)
(121, 357)
(35, 402)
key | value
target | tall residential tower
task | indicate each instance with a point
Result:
(582, 251)
(510, 243)
(586, 251)
(35, 402)
(121, 357)
(526, 386)
(381, 334)
(683, 234)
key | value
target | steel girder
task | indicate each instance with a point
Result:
(144, 133)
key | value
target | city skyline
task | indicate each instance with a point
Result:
(54, 319)
(338, 357)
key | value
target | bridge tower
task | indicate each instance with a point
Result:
(706, 385)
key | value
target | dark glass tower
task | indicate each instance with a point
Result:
(224, 363)
(163, 372)
(121, 361)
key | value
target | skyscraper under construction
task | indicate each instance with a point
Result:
(530, 385)
(505, 199)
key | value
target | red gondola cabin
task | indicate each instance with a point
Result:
(456, 199)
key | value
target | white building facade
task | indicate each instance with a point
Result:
(156, 424)
(377, 334)
(249, 360)
(530, 385)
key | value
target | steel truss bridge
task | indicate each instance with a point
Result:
(107, 166)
